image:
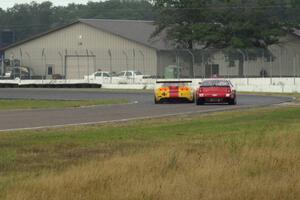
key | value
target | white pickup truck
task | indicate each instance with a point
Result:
(131, 77)
(124, 77)
(102, 76)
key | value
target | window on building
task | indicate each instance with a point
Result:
(50, 70)
(231, 63)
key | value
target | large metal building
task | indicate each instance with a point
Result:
(87, 45)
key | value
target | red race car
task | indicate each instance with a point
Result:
(216, 91)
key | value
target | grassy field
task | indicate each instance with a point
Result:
(38, 104)
(251, 154)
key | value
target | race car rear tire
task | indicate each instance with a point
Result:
(155, 101)
(199, 102)
(232, 101)
(192, 101)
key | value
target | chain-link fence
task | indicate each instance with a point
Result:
(239, 63)
(131, 65)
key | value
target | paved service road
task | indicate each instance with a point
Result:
(142, 108)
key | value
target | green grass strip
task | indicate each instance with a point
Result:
(48, 104)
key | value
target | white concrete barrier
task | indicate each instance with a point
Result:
(125, 86)
(280, 85)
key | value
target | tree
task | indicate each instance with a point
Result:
(230, 25)
(30, 19)
(222, 23)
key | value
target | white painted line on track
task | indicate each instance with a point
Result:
(127, 119)
(242, 107)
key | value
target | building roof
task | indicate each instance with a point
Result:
(134, 30)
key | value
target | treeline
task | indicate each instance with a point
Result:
(227, 23)
(218, 23)
(26, 20)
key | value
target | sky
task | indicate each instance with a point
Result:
(4, 4)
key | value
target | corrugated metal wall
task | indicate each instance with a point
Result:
(280, 60)
(82, 40)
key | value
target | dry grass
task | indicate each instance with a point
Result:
(180, 170)
(237, 155)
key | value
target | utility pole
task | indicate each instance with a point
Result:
(143, 60)
(193, 62)
(110, 64)
(133, 54)
(126, 57)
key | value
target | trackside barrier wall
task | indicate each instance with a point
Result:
(278, 85)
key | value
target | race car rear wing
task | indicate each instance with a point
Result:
(179, 81)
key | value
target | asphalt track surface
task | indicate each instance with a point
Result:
(141, 106)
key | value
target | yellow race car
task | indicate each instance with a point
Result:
(173, 91)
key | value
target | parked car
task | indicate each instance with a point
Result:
(58, 76)
(216, 91)
(17, 73)
(176, 91)
(99, 76)
(131, 76)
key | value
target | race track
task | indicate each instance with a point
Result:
(141, 106)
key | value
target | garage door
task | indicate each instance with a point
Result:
(79, 66)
